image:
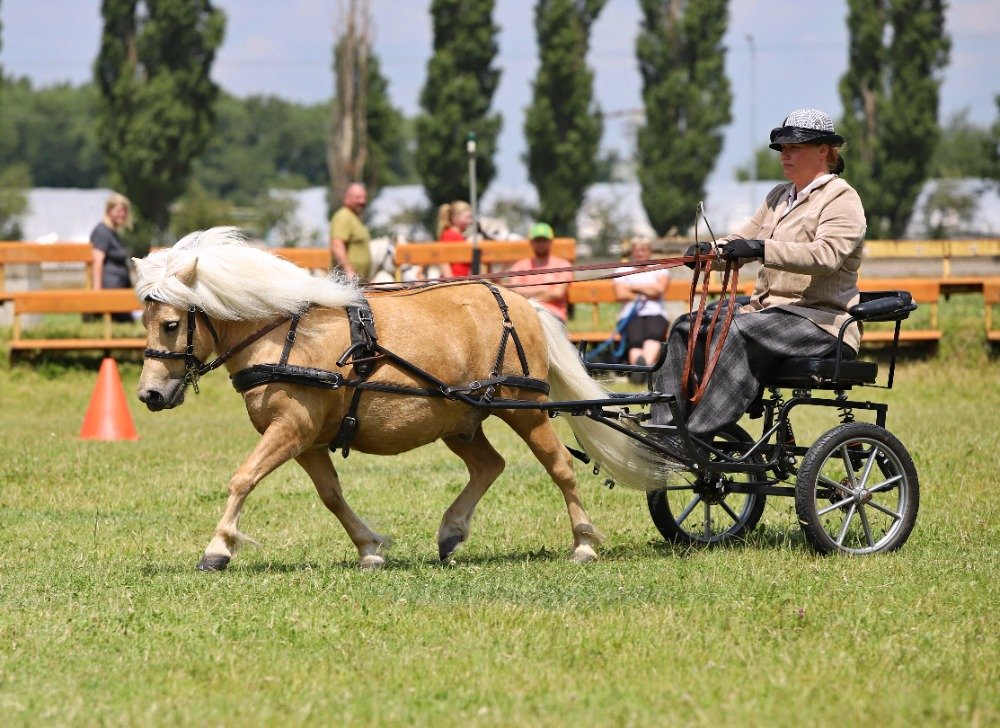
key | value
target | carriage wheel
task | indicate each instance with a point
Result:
(857, 491)
(707, 512)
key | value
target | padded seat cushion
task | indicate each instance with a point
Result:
(805, 372)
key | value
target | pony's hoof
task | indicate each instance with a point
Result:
(583, 555)
(214, 562)
(447, 546)
(371, 562)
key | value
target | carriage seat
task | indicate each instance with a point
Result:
(820, 373)
(823, 372)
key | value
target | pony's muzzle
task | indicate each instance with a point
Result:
(156, 399)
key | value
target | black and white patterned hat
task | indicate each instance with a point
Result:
(805, 126)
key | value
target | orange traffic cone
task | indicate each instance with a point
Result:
(107, 416)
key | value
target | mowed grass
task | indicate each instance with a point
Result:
(104, 620)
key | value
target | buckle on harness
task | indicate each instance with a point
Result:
(342, 441)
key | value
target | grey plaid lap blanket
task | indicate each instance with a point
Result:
(755, 340)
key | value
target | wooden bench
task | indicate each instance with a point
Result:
(594, 293)
(14, 253)
(991, 298)
(925, 292)
(493, 252)
(306, 257)
(104, 303)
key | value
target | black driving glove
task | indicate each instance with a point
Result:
(742, 249)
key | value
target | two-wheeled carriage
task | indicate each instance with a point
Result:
(856, 489)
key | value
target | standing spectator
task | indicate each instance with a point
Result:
(110, 255)
(549, 289)
(349, 237)
(454, 218)
(647, 319)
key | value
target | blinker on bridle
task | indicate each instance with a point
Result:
(194, 368)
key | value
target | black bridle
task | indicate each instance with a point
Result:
(194, 367)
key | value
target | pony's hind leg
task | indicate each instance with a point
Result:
(535, 428)
(319, 466)
(485, 465)
(276, 446)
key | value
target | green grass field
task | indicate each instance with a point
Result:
(104, 620)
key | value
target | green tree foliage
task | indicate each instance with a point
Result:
(386, 141)
(456, 100)
(14, 181)
(53, 130)
(965, 149)
(767, 165)
(687, 98)
(263, 142)
(158, 100)
(890, 95)
(563, 124)
(994, 154)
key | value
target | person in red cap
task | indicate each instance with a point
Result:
(548, 288)
(808, 234)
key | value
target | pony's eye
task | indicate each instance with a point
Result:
(171, 326)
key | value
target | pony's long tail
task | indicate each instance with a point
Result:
(621, 457)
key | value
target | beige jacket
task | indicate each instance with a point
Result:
(811, 254)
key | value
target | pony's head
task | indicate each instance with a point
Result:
(209, 277)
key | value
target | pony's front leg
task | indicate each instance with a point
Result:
(317, 463)
(276, 446)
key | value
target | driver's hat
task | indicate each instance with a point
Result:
(805, 126)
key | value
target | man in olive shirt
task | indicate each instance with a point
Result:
(348, 235)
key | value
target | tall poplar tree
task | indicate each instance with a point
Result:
(365, 129)
(157, 113)
(456, 100)
(891, 94)
(687, 99)
(563, 125)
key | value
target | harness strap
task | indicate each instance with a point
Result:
(364, 340)
(261, 374)
(289, 339)
(509, 332)
(348, 426)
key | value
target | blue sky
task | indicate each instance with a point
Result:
(283, 47)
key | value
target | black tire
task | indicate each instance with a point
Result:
(857, 491)
(724, 517)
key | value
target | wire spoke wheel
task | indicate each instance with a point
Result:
(857, 491)
(707, 511)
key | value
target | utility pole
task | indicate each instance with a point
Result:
(753, 114)
(470, 148)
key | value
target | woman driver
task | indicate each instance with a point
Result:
(809, 235)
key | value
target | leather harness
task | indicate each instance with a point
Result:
(365, 353)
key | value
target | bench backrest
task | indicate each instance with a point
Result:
(111, 300)
(492, 252)
(305, 257)
(105, 302)
(37, 253)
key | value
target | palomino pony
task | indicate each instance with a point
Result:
(211, 292)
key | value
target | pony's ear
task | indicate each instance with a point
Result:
(186, 275)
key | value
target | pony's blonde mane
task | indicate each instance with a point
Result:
(234, 280)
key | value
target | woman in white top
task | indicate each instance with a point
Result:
(647, 318)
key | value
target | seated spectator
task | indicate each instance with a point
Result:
(643, 293)
(549, 289)
(454, 218)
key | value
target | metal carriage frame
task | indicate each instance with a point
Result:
(856, 488)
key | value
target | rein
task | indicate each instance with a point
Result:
(194, 368)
